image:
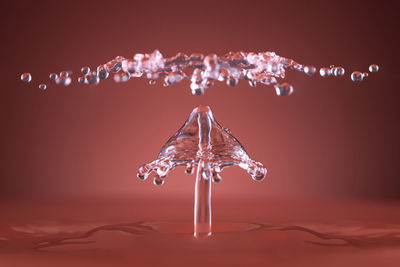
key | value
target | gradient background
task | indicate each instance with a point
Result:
(331, 138)
(69, 155)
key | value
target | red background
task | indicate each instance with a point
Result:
(69, 155)
(331, 138)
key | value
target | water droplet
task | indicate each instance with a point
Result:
(356, 76)
(65, 73)
(102, 72)
(373, 68)
(53, 76)
(64, 80)
(26, 77)
(310, 70)
(189, 168)
(324, 72)
(152, 82)
(259, 174)
(365, 74)
(158, 180)
(42, 86)
(232, 81)
(284, 89)
(338, 71)
(92, 78)
(216, 177)
(141, 176)
(82, 79)
(85, 70)
(144, 171)
(196, 89)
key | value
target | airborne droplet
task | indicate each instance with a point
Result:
(85, 70)
(324, 72)
(338, 71)
(373, 68)
(64, 80)
(356, 76)
(82, 79)
(284, 89)
(26, 77)
(65, 73)
(42, 86)
(310, 70)
(53, 76)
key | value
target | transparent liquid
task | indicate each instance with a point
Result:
(201, 70)
(203, 143)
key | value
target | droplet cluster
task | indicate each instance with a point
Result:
(355, 76)
(202, 71)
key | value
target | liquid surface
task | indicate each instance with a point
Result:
(282, 233)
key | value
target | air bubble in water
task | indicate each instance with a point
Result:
(42, 86)
(356, 76)
(373, 68)
(284, 89)
(26, 77)
(324, 72)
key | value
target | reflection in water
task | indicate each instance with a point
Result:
(383, 236)
(38, 239)
(380, 238)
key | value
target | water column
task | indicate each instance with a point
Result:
(202, 195)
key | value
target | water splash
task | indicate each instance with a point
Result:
(201, 70)
(190, 145)
(201, 142)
